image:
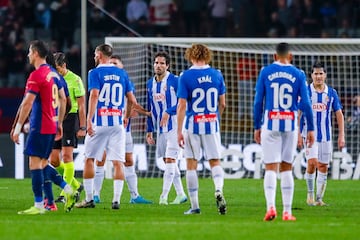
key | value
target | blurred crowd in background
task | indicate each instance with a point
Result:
(58, 21)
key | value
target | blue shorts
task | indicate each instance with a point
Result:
(39, 145)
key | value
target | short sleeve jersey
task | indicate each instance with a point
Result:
(43, 83)
(113, 85)
(161, 98)
(278, 88)
(323, 103)
(76, 89)
(202, 87)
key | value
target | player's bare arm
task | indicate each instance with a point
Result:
(93, 99)
(181, 108)
(24, 111)
(82, 116)
(341, 128)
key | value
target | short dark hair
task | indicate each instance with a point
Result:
(40, 47)
(105, 49)
(164, 55)
(60, 58)
(318, 64)
(282, 48)
(116, 57)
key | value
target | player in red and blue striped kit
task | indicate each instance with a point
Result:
(325, 100)
(41, 101)
(278, 88)
(201, 94)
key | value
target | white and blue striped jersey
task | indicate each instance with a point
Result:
(161, 98)
(113, 85)
(323, 103)
(281, 85)
(202, 87)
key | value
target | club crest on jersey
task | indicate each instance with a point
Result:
(319, 107)
(203, 79)
(159, 97)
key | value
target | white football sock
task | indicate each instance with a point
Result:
(132, 181)
(168, 179)
(310, 183)
(321, 181)
(270, 188)
(217, 173)
(287, 190)
(98, 179)
(89, 188)
(118, 188)
(177, 182)
(192, 183)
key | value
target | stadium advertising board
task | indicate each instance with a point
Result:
(239, 162)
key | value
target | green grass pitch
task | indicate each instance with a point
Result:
(244, 219)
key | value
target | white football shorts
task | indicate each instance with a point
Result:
(167, 145)
(209, 143)
(322, 151)
(278, 146)
(109, 138)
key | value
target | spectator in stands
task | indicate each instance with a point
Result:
(310, 24)
(192, 11)
(276, 28)
(218, 13)
(43, 15)
(137, 14)
(17, 63)
(160, 16)
(63, 23)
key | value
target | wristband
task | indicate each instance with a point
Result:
(17, 128)
(83, 128)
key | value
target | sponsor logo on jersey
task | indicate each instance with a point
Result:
(273, 115)
(319, 107)
(110, 112)
(205, 118)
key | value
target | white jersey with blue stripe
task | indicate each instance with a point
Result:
(161, 98)
(202, 87)
(323, 103)
(113, 85)
(280, 85)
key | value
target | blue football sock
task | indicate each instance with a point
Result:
(37, 181)
(54, 176)
(48, 186)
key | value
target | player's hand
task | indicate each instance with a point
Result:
(181, 140)
(341, 141)
(59, 132)
(164, 119)
(300, 142)
(89, 129)
(257, 136)
(81, 133)
(149, 138)
(310, 139)
(126, 122)
(14, 137)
